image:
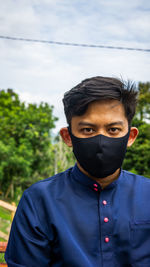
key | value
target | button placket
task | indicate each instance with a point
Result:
(106, 219)
(106, 239)
(106, 226)
(104, 202)
(95, 187)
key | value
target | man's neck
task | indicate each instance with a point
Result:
(102, 181)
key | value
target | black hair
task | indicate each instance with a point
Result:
(77, 99)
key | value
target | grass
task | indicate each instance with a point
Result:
(5, 222)
(5, 214)
(5, 225)
(2, 260)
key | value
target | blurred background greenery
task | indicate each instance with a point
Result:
(137, 158)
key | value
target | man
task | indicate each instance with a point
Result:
(94, 214)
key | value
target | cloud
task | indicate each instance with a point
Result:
(43, 72)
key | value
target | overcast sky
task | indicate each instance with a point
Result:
(43, 72)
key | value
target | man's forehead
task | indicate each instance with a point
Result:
(111, 102)
(105, 106)
(107, 111)
(114, 105)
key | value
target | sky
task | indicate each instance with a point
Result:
(44, 72)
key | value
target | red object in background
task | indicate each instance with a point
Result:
(3, 246)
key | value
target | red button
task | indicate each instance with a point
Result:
(95, 189)
(106, 239)
(104, 202)
(106, 219)
(95, 185)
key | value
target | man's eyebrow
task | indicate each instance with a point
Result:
(115, 123)
(86, 123)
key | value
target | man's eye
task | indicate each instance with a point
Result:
(87, 130)
(114, 130)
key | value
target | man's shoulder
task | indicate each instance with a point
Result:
(129, 176)
(49, 184)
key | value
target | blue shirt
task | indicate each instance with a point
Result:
(68, 220)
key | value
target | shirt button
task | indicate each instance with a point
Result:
(95, 185)
(95, 189)
(104, 202)
(106, 219)
(106, 239)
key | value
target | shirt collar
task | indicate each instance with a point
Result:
(89, 182)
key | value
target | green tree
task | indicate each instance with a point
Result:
(143, 107)
(25, 142)
(137, 157)
(64, 157)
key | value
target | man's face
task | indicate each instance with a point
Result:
(106, 117)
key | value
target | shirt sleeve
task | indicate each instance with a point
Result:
(28, 244)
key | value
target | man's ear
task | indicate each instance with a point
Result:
(133, 135)
(66, 136)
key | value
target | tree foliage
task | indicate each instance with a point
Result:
(137, 157)
(25, 142)
(64, 157)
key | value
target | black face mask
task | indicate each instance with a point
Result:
(100, 155)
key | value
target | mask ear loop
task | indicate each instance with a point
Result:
(129, 130)
(69, 130)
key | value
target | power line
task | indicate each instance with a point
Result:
(73, 44)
